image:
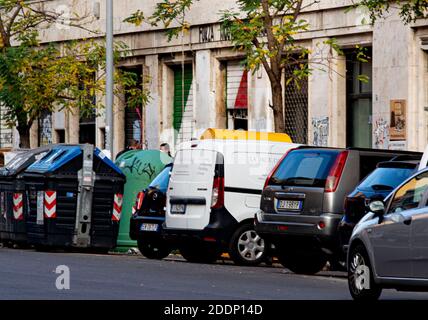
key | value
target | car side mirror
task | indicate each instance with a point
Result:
(377, 207)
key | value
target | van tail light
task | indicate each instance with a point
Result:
(217, 198)
(336, 172)
(140, 198)
(276, 167)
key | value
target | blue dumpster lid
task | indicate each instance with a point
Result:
(60, 155)
(22, 160)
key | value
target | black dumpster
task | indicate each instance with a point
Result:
(12, 196)
(74, 199)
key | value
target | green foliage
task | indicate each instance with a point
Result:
(409, 10)
(265, 31)
(171, 13)
(38, 79)
(71, 76)
(136, 18)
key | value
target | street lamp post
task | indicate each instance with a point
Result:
(109, 77)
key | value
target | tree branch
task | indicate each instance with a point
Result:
(273, 78)
(13, 18)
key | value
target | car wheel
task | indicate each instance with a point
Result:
(360, 276)
(199, 253)
(154, 250)
(301, 262)
(247, 247)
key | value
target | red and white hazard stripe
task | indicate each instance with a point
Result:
(50, 204)
(18, 206)
(117, 206)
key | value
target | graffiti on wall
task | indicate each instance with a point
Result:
(320, 127)
(137, 166)
(381, 134)
(45, 129)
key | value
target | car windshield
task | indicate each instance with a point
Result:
(308, 168)
(161, 180)
(385, 179)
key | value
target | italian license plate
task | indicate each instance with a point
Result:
(178, 209)
(149, 227)
(289, 205)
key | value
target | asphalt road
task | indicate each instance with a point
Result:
(26, 274)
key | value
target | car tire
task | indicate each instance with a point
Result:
(302, 263)
(153, 250)
(246, 247)
(358, 257)
(199, 253)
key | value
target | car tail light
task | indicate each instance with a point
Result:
(282, 228)
(140, 198)
(335, 172)
(209, 239)
(276, 167)
(217, 198)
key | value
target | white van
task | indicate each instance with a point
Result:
(214, 194)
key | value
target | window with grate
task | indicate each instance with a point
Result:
(296, 108)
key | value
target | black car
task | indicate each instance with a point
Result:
(146, 221)
(376, 186)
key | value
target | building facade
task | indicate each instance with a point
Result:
(198, 81)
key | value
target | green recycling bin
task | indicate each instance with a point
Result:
(140, 167)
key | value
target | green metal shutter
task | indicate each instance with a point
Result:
(183, 104)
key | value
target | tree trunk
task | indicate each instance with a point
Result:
(278, 108)
(24, 136)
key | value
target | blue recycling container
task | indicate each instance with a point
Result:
(53, 189)
(13, 202)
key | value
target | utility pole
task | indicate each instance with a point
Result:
(109, 77)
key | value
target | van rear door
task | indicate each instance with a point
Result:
(190, 189)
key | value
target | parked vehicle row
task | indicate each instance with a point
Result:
(305, 205)
(213, 195)
(302, 203)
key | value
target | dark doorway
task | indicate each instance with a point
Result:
(358, 100)
(87, 128)
(134, 115)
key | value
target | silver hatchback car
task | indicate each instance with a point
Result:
(389, 246)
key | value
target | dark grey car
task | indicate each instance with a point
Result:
(302, 202)
(389, 246)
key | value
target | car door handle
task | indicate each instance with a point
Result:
(408, 221)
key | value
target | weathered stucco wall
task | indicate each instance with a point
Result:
(399, 70)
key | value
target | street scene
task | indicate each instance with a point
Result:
(32, 275)
(214, 150)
